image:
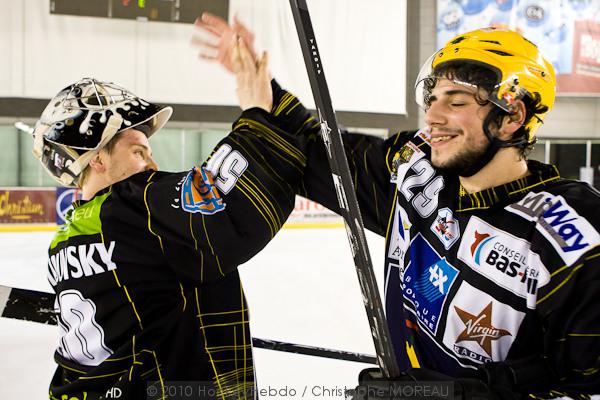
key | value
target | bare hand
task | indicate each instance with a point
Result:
(214, 38)
(253, 78)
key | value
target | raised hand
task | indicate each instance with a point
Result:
(253, 78)
(214, 38)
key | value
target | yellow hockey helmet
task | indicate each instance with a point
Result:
(522, 68)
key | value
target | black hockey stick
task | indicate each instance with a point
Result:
(27, 305)
(312, 351)
(345, 191)
(31, 305)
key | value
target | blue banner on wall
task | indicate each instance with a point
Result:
(566, 31)
(64, 200)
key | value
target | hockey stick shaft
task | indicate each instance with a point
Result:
(312, 351)
(31, 305)
(345, 190)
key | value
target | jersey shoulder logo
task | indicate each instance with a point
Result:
(402, 158)
(446, 228)
(199, 194)
(568, 232)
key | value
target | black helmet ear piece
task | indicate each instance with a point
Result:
(66, 164)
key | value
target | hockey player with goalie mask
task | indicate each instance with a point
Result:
(145, 267)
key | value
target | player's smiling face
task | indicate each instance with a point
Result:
(455, 118)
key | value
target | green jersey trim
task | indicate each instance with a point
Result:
(81, 220)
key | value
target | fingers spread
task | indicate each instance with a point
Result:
(241, 29)
(214, 38)
(205, 41)
(209, 54)
(209, 57)
(216, 23)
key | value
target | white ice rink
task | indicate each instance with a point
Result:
(301, 289)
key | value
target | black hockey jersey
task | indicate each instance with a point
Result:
(145, 272)
(509, 274)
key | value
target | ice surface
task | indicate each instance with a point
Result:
(302, 288)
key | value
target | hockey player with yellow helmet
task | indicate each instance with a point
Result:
(492, 260)
(488, 284)
(505, 68)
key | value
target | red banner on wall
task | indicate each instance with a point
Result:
(27, 205)
(48, 206)
(308, 213)
(585, 76)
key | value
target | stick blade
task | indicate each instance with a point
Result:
(27, 305)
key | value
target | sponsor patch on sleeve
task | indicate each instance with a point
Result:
(199, 194)
(446, 227)
(400, 235)
(568, 232)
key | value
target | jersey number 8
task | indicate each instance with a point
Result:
(82, 338)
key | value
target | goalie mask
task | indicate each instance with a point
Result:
(83, 118)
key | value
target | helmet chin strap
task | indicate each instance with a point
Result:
(77, 164)
(494, 144)
(113, 125)
(38, 140)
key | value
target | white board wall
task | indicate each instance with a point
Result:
(363, 46)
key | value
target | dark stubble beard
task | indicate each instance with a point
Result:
(462, 162)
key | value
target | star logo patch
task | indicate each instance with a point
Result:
(479, 328)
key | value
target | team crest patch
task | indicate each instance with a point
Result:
(446, 228)
(199, 194)
(403, 156)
